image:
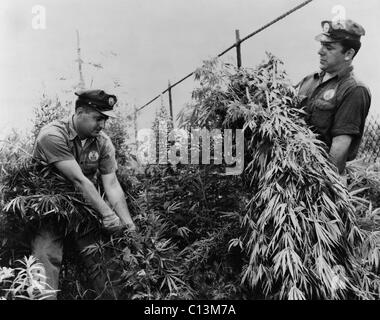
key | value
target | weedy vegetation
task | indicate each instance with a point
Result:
(286, 228)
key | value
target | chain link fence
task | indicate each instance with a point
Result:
(370, 146)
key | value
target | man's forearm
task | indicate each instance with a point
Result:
(93, 197)
(116, 198)
(339, 150)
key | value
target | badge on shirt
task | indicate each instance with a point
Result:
(329, 94)
(93, 156)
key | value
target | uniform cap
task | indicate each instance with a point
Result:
(338, 30)
(99, 100)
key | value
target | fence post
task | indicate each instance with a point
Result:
(238, 49)
(135, 121)
(170, 100)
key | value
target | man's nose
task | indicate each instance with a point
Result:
(321, 51)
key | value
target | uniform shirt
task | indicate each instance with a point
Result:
(59, 141)
(338, 106)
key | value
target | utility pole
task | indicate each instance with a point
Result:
(170, 101)
(81, 84)
(238, 48)
(135, 122)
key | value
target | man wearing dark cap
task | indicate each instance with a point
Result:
(79, 149)
(337, 103)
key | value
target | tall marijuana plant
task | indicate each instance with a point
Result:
(48, 111)
(299, 227)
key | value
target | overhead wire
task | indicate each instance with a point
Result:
(229, 48)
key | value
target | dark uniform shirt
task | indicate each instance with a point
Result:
(59, 141)
(338, 106)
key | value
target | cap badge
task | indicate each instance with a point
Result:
(111, 101)
(93, 156)
(326, 27)
(329, 94)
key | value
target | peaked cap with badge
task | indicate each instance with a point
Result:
(338, 30)
(99, 100)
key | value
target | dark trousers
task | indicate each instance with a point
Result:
(47, 247)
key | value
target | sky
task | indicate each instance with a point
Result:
(142, 44)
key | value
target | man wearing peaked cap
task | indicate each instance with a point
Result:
(79, 149)
(99, 100)
(340, 30)
(335, 101)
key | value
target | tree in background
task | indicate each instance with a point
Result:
(48, 111)
(162, 125)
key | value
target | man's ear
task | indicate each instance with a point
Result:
(79, 110)
(349, 55)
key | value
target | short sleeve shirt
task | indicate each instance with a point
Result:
(59, 141)
(338, 106)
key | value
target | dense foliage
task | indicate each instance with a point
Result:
(285, 228)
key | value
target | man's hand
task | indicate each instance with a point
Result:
(112, 222)
(130, 225)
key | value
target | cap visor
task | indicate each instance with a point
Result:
(109, 113)
(324, 38)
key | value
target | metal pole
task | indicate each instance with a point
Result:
(170, 100)
(238, 49)
(135, 121)
(81, 84)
